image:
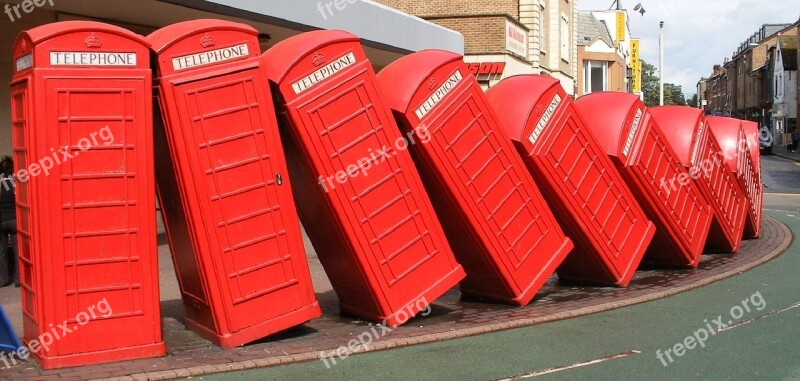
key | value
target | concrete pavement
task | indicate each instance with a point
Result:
(783, 152)
(618, 344)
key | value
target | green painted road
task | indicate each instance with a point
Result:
(619, 344)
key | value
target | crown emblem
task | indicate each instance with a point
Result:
(318, 59)
(207, 41)
(93, 41)
(23, 45)
(432, 83)
(539, 109)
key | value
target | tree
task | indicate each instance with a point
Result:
(673, 94)
(649, 84)
(693, 101)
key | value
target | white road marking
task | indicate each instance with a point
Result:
(573, 366)
(755, 319)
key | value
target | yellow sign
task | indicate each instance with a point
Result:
(637, 79)
(636, 67)
(634, 46)
(620, 26)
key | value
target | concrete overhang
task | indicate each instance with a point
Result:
(387, 33)
(378, 25)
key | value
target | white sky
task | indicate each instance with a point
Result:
(697, 33)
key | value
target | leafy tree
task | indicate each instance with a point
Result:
(673, 94)
(693, 101)
(649, 84)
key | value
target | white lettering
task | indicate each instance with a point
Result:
(440, 93)
(92, 59)
(697, 142)
(632, 134)
(542, 123)
(24, 62)
(327, 71)
(210, 57)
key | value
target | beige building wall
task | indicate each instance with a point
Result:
(482, 23)
(560, 54)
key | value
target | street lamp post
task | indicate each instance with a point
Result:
(661, 63)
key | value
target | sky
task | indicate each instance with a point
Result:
(697, 33)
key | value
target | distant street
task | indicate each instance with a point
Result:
(780, 175)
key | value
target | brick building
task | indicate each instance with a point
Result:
(716, 92)
(508, 37)
(749, 86)
(601, 65)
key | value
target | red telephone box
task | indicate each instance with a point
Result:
(730, 134)
(360, 197)
(223, 186)
(82, 136)
(752, 135)
(686, 130)
(498, 223)
(587, 194)
(638, 148)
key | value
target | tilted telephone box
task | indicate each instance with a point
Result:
(223, 186)
(360, 197)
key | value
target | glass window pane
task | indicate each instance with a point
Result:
(597, 78)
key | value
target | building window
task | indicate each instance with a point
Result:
(775, 90)
(565, 38)
(595, 76)
(542, 29)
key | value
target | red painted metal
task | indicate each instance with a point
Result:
(223, 186)
(636, 145)
(735, 147)
(360, 197)
(687, 131)
(80, 107)
(497, 221)
(588, 195)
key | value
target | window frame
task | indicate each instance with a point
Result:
(588, 65)
(564, 46)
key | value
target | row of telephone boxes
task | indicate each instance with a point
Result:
(408, 183)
